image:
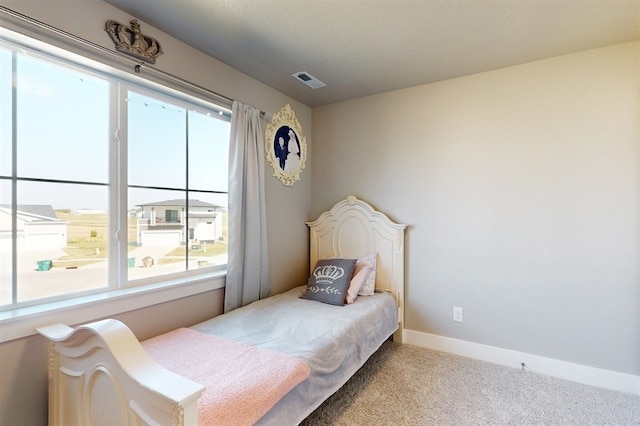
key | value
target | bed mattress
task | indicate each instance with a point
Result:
(334, 341)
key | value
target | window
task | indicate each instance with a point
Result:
(171, 216)
(106, 182)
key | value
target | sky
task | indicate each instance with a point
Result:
(64, 133)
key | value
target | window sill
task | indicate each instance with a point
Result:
(22, 322)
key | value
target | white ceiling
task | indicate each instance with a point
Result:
(363, 47)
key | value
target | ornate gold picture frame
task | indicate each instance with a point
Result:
(286, 146)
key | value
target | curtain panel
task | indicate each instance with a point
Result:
(248, 263)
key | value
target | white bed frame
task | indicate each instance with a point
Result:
(99, 374)
(353, 228)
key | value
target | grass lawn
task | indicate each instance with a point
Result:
(87, 240)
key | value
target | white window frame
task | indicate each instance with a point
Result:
(22, 319)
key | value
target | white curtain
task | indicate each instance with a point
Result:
(248, 264)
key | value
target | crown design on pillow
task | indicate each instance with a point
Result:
(327, 274)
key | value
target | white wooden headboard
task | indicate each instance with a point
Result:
(353, 228)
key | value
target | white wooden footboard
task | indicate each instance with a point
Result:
(100, 375)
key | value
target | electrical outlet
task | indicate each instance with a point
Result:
(457, 314)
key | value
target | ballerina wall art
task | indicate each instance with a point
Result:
(286, 146)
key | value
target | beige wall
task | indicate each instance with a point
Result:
(23, 388)
(521, 188)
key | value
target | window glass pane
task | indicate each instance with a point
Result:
(59, 236)
(5, 112)
(156, 142)
(6, 229)
(156, 247)
(208, 152)
(208, 231)
(63, 123)
(63, 239)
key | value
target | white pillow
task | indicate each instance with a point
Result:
(369, 285)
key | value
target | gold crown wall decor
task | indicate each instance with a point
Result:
(132, 42)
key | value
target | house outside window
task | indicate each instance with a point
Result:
(204, 223)
(87, 155)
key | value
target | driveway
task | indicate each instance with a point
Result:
(155, 252)
(36, 284)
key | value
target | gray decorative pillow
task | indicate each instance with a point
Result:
(329, 281)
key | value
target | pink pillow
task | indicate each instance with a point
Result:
(356, 283)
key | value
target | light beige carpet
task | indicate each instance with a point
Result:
(408, 385)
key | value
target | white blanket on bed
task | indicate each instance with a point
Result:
(333, 340)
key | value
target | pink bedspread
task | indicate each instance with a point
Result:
(242, 382)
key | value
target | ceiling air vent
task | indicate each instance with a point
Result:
(308, 79)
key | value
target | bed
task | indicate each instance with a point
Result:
(99, 373)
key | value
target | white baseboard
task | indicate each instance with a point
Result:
(551, 367)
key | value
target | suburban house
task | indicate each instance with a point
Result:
(38, 228)
(520, 184)
(164, 223)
